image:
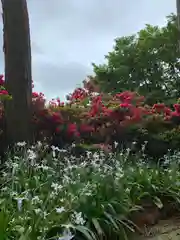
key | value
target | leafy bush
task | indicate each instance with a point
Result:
(90, 118)
(147, 62)
(95, 118)
(90, 197)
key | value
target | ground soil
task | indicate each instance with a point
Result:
(164, 230)
(156, 224)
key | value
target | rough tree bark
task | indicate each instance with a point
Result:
(18, 80)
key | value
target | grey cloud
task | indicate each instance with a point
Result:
(59, 78)
(65, 33)
(72, 18)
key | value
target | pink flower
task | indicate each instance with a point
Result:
(159, 106)
(167, 111)
(71, 129)
(125, 105)
(4, 92)
(35, 95)
(56, 117)
(175, 114)
(177, 107)
(86, 128)
(2, 80)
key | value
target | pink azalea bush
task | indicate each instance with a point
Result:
(96, 118)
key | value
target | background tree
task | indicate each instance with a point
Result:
(178, 19)
(18, 78)
(147, 62)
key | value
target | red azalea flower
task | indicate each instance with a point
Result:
(35, 95)
(78, 94)
(107, 111)
(140, 99)
(177, 107)
(126, 96)
(2, 80)
(175, 114)
(62, 104)
(71, 129)
(159, 106)
(86, 128)
(4, 92)
(167, 111)
(56, 117)
(125, 105)
(77, 134)
(44, 112)
(137, 115)
(167, 118)
(57, 130)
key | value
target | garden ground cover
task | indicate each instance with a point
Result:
(100, 196)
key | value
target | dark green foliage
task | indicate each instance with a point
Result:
(147, 62)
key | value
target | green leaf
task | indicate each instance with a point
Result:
(86, 232)
(23, 237)
(158, 202)
(85, 102)
(97, 227)
(112, 221)
(4, 221)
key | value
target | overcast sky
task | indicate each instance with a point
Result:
(68, 35)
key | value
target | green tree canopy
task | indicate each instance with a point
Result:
(147, 62)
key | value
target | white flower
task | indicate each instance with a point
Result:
(43, 167)
(45, 215)
(67, 235)
(36, 200)
(37, 211)
(78, 219)
(60, 210)
(15, 165)
(115, 144)
(96, 156)
(62, 150)
(39, 144)
(21, 144)
(19, 203)
(119, 174)
(4, 189)
(55, 148)
(56, 186)
(73, 145)
(31, 154)
(88, 154)
(95, 94)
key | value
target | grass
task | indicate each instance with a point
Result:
(62, 197)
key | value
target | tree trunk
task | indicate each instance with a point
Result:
(178, 20)
(18, 80)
